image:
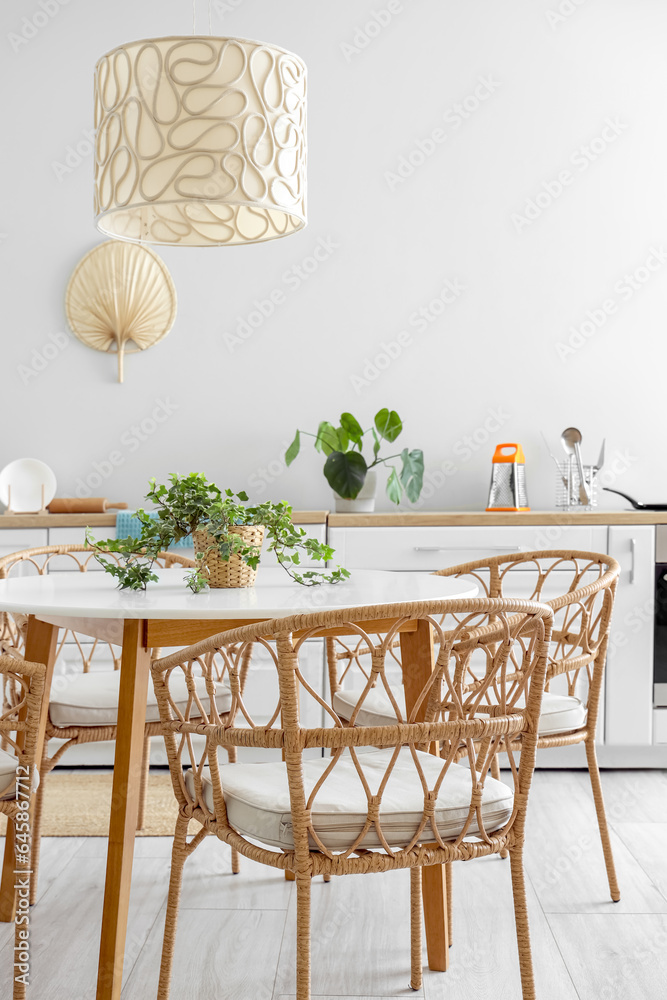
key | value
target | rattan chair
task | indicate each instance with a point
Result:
(377, 801)
(580, 588)
(23, 684)
(83, 706)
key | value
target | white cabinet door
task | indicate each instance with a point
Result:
(629, 698)
(429, 548)
(15, 539)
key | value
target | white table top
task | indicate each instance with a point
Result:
(95, 595)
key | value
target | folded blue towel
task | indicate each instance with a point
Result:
(128, 525)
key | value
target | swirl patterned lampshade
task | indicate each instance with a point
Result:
(201, 141)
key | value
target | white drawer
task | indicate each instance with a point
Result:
(17, 539)
(660, 725)
(431, 548)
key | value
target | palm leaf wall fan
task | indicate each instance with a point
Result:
(120, 293)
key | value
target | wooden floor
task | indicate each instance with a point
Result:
(236, 935)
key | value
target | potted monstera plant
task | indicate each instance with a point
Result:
(351, 474)
(227, 533)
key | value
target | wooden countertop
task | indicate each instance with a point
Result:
(57, 520)
(310, 516)
(498, 518)
(379, 519)
(109, 520)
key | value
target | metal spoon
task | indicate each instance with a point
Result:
(571, 441)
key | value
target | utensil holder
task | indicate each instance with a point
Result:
(567, 486)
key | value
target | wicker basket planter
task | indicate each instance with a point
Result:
(233, 572)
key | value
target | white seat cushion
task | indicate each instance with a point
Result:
(258, 803)
(92, 699)
(8, 768)
(560, 713)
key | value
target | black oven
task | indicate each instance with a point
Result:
(660, 623)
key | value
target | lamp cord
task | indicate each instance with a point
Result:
(194, 18)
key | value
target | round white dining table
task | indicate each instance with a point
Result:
(168, 614)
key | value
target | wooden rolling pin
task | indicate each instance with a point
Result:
(93, 505)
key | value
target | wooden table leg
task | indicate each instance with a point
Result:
(40, 647)
(135, 664)
(417, 659)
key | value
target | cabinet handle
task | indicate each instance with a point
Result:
(468, 548)
(633, 552)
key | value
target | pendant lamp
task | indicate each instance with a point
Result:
(201, 141)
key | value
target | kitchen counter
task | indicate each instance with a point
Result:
(379, 519)
(109, 520)
(439, 518)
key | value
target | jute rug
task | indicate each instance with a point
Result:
(78, 805)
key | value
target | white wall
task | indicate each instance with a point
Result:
(555, 81)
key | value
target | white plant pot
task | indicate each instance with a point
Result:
(364, 502)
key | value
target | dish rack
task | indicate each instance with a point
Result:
(567, 485)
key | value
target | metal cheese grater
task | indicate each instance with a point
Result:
(508, 479)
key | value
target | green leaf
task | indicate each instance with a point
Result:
(412, 472)
(345, 473)
(376, 444)
(191, 502)
(343, 439)
(352, 427)
(327, 438)
(293, 449)
(394, 491)
(388, 424)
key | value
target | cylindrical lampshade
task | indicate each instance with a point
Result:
(201, 141)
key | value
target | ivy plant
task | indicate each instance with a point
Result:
(346, 468)
(189, 503)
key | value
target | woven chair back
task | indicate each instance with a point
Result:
(483, 695)
(580, 587)
(45, 559)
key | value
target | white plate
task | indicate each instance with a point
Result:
(26, 476)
